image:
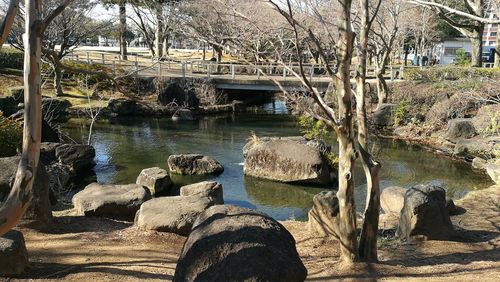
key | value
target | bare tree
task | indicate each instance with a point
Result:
(19, 198)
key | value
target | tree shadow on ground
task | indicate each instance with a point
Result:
(40, 270)
(81, 224)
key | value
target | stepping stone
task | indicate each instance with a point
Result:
(194, 164)
(209, 189)
(155, 179)
(172, 214)
(113, 201)
(13, 254)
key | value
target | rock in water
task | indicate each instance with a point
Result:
(460, 128)
(230, 243)
(13, 254)
(383, 115)
(209, 189)
(286, 160)
(155, 179)
(193, 164)
(113, 201)
(122, 106)
(424, 213)
(323, 219)
(183, 115)
(39, 213)
(392, 199)
(172, 214)
(77, 156)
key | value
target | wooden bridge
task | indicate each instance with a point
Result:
(261, 77)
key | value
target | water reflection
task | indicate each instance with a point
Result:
(126, 146)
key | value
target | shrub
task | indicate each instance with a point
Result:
(462, 59)
(82, 78)
(436, 74)
(11, 59)
(312, 129)
(11, 135)
(401, 113)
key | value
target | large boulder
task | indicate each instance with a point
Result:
(122, 106)
(183, 115)
(484, 120)
(155, 179)
(13, 254)
(286, 160)
(478, 146)
(77, 156)
(193, 164)
(230, 243)
(39, 213)
(424, 213)
(460, 128)
(209, 189)
(172, 214)
(180, 93)
(383, 115)
(392, 199)
(113, 201)
(493, 170)
(323, 220)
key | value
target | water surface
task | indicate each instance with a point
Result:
(126, 146)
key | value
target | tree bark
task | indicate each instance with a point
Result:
(8, 21)
(57, 80)
(497, 51)
(159, 31)
(476, 39)
(368, 240)
(20, 195)
(345, 137)
(123, 30)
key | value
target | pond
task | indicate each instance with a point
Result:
(126, 146)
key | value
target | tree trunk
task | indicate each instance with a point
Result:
(368, 239)
(345, 137)
(159, 31)
(123, 30)
(57, 80)
(476, 39)
(19, 198)
(204, 51)
(8, 21)
(382, 88)
(497, 51)
(219, 59)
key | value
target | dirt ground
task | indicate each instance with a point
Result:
(86, 249)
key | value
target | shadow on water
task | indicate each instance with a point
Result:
(126, 146)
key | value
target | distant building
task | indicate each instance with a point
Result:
(446, 50)
(489, 39)
(105, 42)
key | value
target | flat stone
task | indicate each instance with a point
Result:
(392, 199)
(172, 214)
(113, 201)
(193, 164)
(460, 128)
(209, 189)
(13, 254)
(155, 179)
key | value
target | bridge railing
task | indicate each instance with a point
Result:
(208, 69)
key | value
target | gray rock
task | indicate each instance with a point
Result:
(184, 115)
(479, 163)
(424, 213)
(286, 160)
(39, 213)
(493, 171)
(485, 148)
(383, 115)
(392, 199)
(193, 164)
(113, 201)
(323, 217)
(171, 214)
(209, 189)
(77, 156)
(460, 128)
(122, 106)
(13, 254)
(155, 179)
(230, 243)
